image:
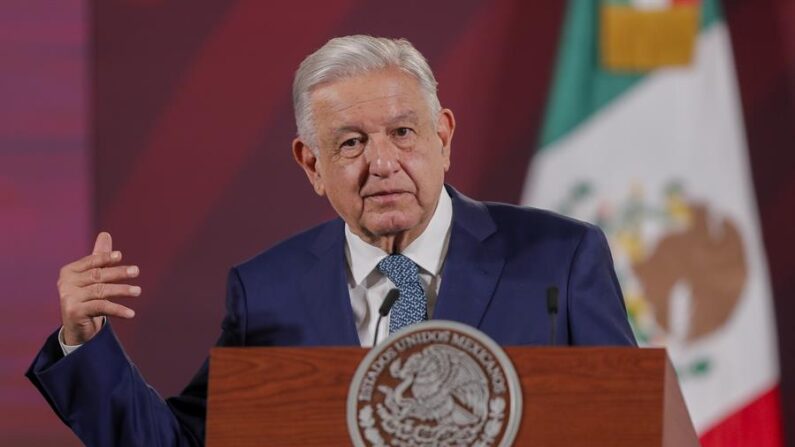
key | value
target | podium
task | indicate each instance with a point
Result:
(571, 397)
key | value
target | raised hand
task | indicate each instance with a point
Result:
(85, 286)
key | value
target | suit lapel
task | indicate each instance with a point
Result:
(473, 266)
(325, 292)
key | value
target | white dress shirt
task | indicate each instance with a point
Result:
(368, 287)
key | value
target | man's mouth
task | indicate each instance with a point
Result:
(385, 196)
(385, 193)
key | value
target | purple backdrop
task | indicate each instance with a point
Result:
(45, 204)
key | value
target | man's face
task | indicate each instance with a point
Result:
(381, 155)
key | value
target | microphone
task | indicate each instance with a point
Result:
(383, 311)
(552, 311)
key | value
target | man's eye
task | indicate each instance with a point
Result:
(349, 143)
(402, 132)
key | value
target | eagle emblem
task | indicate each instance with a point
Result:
(431, 386)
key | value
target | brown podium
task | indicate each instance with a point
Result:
(571, 397)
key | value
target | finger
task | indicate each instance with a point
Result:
(107, 274)
(104, 243)
(92, 261)
(109, 308)
(101, 291)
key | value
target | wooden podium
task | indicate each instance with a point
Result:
(571, 397)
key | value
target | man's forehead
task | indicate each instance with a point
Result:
(337, 101)
(377, 99)
(373, 85)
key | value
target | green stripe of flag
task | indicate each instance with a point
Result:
(581, 86)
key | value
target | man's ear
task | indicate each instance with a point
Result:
(445, 127)
(309, 162)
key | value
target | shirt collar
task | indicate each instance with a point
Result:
(427, 251)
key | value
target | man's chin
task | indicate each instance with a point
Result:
(386, 226)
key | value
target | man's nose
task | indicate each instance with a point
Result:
(382, 156)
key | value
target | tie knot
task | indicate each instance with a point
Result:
(401, 270)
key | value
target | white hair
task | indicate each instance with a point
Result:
(350, 56)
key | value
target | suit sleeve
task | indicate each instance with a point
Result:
(100, 394)
(597, 313)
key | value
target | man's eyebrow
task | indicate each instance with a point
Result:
(346, 129)
(409, 116)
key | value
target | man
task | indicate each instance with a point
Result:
(373, 139)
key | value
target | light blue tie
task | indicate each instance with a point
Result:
(411, 307)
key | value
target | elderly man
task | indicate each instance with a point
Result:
(373, 139)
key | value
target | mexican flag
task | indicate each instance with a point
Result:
(643, 135)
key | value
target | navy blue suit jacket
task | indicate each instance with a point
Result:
(500, 261)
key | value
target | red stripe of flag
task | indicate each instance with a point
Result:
(758, 424)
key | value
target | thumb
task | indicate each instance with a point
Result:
(104, 243)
